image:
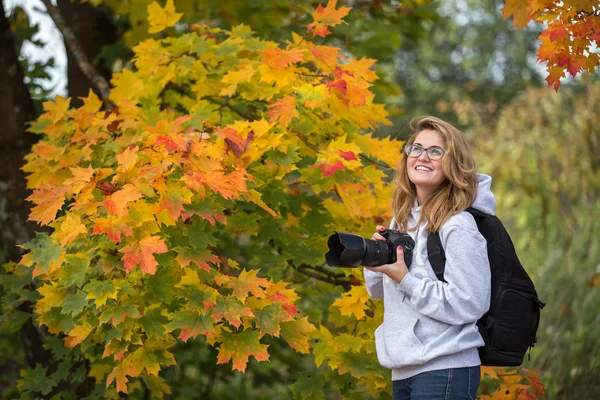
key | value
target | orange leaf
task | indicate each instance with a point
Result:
(49, 200)
(519, 11)
(279, 59)
(327, 16)
(553, 78)
(141, 253)
(113, 227)
(116, 203)
(120, 375)
(283, 110)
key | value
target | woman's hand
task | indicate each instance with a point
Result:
(396, 271)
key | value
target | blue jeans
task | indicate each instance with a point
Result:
(443, 384)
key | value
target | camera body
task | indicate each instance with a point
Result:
(349, 250)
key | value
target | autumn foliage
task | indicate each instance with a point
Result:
(190, 207)
(568, 42)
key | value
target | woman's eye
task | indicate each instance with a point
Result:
(436, 152)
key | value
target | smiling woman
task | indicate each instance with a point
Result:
(429, 338)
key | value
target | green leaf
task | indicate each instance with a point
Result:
(268, 319)
(36, 381)
(44, 251)
(74, 303)
(153, 322)
(75, 270)
(309, 386)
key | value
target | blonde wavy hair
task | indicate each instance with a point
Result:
(455, 194)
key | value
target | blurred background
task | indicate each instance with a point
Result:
(456, 59)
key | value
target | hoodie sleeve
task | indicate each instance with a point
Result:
(465, 297)
(374, 283)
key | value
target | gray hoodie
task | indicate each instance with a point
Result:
(429, 324)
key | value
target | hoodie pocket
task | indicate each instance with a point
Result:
(397, 345)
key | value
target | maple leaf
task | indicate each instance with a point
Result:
(116, 347)
(283, 110)
(191, 324)
(571, 63)
(296, 334)
(327, 16)
(78, 334)
(141, 252)
(128, 157)
(518, 9)
(238, 347)
(246, 282)
(114, 227)
(116, 203)
(52, 296)
(553, 78)
(353, 302)
(162, 18)
(120, 375)
(534, 380)
(186, 255)
(81, 176)
(173, 197)
(45, 252)
(231, 309)
(56, 110)
(279, 59)
(329, 169)
(49, 200)
(101, 291)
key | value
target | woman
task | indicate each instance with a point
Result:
(429, 337)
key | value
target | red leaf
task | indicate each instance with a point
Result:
(329, 170)
(347, 155)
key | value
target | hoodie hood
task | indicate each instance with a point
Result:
(485, 200)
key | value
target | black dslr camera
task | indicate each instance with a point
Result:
(349, 250)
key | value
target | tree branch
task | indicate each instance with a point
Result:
(72, 44)
(322, 274)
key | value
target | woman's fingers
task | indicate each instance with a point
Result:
(376, 235)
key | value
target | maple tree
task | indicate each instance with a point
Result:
(191, 204)
(568, 44)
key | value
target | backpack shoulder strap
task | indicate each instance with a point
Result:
(436, 255)
(435, 250)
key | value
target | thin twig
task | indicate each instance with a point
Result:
(74, 47)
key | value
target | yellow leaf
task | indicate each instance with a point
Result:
(56, 110)
(78, 334)
(162, 18)
(353, 302)
(70, 228)
(52, 296)
(91, 103)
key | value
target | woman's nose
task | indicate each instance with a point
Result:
(423, 156)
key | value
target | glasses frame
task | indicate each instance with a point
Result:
(408, 150)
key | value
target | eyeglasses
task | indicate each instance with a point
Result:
(434, 152)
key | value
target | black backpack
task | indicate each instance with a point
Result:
(509, 327)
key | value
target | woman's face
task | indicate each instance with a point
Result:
(425, 173)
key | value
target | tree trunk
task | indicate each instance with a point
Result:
(16, 109)
(93, 29)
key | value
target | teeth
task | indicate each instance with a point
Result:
(421, 168)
